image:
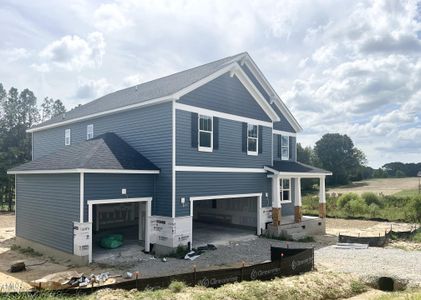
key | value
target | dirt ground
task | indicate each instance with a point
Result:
(42, 265)
(386, 186)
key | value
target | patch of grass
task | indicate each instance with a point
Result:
(179, 252)
(307, 239)
(417, 236)
(357, 287)
(404, 295)
(27, 251)
(407, 193)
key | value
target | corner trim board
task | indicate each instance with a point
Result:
(82, 196)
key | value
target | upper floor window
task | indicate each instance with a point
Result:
(67, 137)
(284, 147)
(252, 139)
(205, 133)
(285, 188)
(89, 131)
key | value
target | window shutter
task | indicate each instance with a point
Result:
(260, 128)
(291, 148)
(194, 130)
(215, 133)
(279, 146)
(244, 144)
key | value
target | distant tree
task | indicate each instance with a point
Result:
(380, 173)
(306, 156)
(338, 154)
(51, 108)
(400, 174)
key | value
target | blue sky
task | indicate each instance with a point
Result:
(352, 67)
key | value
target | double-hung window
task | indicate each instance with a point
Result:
(285, 188)
(252, 139)
(284, 147)
(89, 131)
(205, 133)
(67, 137)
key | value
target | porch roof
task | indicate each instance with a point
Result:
(107, 153)
(294, 168)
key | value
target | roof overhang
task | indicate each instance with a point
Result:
(251, 65)
(297, 174)
(97, 171)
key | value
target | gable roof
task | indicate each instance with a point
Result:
(163, 89)
(105, 152)
(289, 167)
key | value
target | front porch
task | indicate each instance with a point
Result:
(296, 226)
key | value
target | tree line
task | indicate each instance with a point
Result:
(338, 154)
(19, 111)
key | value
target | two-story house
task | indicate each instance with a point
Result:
(211, 144)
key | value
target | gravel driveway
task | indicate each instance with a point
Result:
(373, 261)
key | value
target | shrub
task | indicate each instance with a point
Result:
(373, 209)
(370, 198)
(356, 206)
(400, 174)
(345, 199)
(413, 209)
(177, 286)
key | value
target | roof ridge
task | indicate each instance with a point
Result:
(97, 143)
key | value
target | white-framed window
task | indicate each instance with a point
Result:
(285, 189)
(205, 133)
(67, 133)
(89, 131)
(252, 139)
(284, 147)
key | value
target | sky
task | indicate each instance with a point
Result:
(352, 67)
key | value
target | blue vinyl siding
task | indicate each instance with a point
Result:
(283, 124)
(229, 153)
(148, 130)
(190, 184)
(226, 94)
(108, 186)
(46, 207)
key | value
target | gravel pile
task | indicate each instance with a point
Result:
(395, 263)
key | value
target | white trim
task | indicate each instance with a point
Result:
(148, 201)
(118, 200)
(216, 197)
(280, 132)
(203, 148)
(249, 152)
(221, 115)
(99, 171)
(89, 131)
(103, 113)
(67, 135)
(286, 157)
(173, 180)
(218, 169)
(248, 61)
(82, 196)
(295, 174)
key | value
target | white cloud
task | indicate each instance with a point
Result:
(14, 54)
(72, 52)
(110, 17)
(91, 89)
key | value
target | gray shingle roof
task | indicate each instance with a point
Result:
(296, 167)
(107, 151)
(161, 87)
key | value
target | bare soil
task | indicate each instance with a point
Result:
(385, 186)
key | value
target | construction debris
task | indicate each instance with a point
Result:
(351, 246)
(195, 253)
(18, 266)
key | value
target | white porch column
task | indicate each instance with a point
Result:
(276, 201)
(322, 197)
(147, 225)
(297, 204)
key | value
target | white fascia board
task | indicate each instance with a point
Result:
(103, 113)
(233, 68)
(98, 171)
(286, 133)
(215, 197)
(218, 169)
(296, 174)
(248, 61)
(214, 113)
(120, 200)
